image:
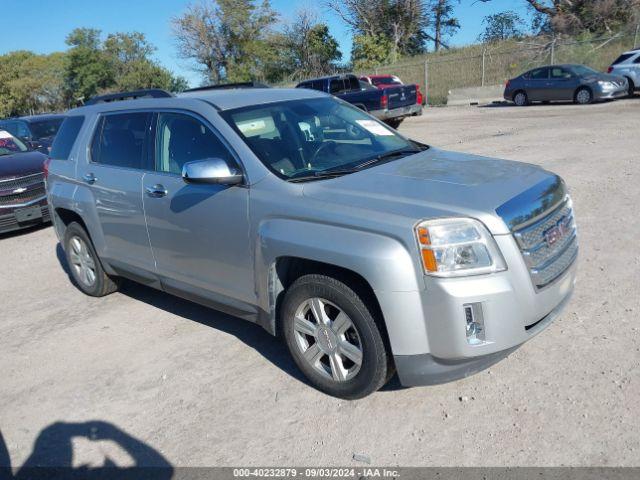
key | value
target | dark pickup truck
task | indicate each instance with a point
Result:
(392, 105)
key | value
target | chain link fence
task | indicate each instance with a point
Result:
(493, 64)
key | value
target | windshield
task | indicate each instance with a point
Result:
(45, 128)
(582, 70)
(10, 144)
(308, 137)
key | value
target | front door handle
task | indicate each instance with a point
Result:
(157, 191)
(89, 178)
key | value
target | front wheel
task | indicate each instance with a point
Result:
(583, 96)
(334, 338)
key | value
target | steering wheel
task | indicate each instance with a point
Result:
(324, 146)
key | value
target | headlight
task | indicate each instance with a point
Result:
(454, 247)
(605, 84)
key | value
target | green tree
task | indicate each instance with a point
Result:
(307, 47)
(369, 51)
(89, 69)
(227, 39)
(501, 26)
(444, 23)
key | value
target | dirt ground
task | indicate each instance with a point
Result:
(178, 383)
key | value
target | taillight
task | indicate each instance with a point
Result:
(507, 83)
(384, 101)
(45, 167)
(610, 69)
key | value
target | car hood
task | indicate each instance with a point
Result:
(21, 164)
(435, 183)
(605, 77)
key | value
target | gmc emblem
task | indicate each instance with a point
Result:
(556, 232)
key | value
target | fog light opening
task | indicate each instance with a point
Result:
(474, 323)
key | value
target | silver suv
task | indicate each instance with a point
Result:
(368, 252)
(628, 65)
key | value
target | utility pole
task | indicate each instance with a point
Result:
(426, 82)
(553, 51)
(635, 38)
(484, 53)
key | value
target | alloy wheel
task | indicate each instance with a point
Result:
(82, 262)
(583, 96)
(520, 99)
(327, 339)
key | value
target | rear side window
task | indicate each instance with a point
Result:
(540, 74)
(120, 140)
(66, 137)
(623, 58)
(336, 85)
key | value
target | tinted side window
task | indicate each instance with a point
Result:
(182, 138)
(336, 85)
(352, 83)
(637, 60)
(540, 74)
(318, 85)
(120, 140)
(66, 137)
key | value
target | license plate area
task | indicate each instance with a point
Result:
(28, 214)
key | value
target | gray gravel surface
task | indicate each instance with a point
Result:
(202, 388)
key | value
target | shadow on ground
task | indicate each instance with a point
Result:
(53, 455)
(270, 347)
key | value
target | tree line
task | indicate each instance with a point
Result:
(242, 40)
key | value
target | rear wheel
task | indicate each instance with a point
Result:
(520, 98)
(86, 269)
(583, 96)
(334, 338)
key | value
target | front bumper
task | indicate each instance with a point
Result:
(601, 93)
(408, 111)
(12, 218)
(426, 369)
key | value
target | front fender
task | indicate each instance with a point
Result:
(381, 260)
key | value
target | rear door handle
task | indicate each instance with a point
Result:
(89, 178)
(157, 191)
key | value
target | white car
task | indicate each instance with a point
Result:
(628, 65)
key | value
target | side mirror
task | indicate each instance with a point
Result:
(211, 170)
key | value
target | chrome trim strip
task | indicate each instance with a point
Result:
(26, 204)
(533, 204)
(20, 178)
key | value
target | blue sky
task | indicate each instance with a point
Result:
(41, 25)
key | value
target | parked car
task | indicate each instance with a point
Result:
(392, 105)
(575, 83)
(381, 81)
(37, 131)
(627, 65)
(367, 251)
(23, 201)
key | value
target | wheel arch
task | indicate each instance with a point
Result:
(582, 87)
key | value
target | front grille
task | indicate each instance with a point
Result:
(550, 245)
(22, 198)
(33, 183)
(22, 182)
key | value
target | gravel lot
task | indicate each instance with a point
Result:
(203, 389)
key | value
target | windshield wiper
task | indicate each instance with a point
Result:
(323, 174)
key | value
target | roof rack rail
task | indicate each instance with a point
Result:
(115, 97)
(229, 86)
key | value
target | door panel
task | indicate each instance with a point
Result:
(562, 84)
(537, 85)
(114, 176)
(199, 233)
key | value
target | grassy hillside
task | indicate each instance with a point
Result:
(463, 67)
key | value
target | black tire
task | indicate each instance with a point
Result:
(102, 284)
(394, 122)
(632, 87)
(581, 97)
(375, 368)
(520, 98)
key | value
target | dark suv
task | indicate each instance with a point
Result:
(37, 131)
